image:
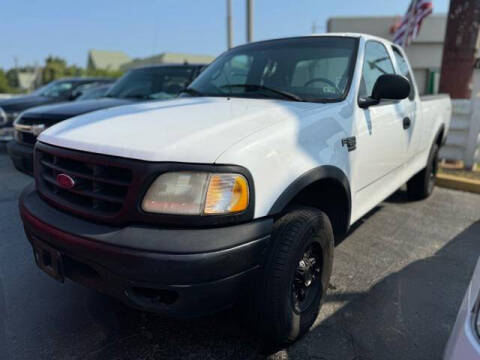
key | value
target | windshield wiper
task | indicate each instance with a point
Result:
(285, 94)
(191, 91)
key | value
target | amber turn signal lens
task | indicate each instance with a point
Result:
(227, 193)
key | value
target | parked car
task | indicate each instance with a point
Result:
(236, 191)
(464, 342)
(143, 84)
(54, 92)
(94, 92)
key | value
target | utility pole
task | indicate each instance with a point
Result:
(459, 50)
(314, 27)
(249, 20)
(229, 25)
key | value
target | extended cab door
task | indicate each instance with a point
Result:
(381, 142)
(410, 109)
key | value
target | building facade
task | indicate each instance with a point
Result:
(425, 52)
(106, 60)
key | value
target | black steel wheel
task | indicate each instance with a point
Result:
(296, 275)
(306, 284)
(422, 184)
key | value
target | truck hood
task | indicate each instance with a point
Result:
(20, 103)
(183, 130)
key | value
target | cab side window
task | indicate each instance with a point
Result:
(377, 62)
(403, 68)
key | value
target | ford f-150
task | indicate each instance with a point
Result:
(235, 191)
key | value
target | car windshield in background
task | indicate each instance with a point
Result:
(297, 69)
(93, 92)
(55, 89)
(152, 83)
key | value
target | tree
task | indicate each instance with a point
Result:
(12, 78)
(4, 87)
(54, 68)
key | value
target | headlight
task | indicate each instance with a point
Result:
(197, 193)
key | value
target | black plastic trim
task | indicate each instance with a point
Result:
(318, 173)
(200, 282)
(146, 238)
(444, 135)
(144, 173)
(21, 155)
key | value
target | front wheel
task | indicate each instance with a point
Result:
(296, 275)
(421, 185)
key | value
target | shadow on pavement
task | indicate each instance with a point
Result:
(401, 314)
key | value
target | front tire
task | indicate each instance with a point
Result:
(422, 184)
(296, 275)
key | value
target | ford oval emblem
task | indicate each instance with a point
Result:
(65, 181)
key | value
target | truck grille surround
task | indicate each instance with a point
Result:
(98, 189)
(109, 189)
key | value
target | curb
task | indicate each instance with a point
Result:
(458, 183)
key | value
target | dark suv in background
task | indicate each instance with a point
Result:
(56, 91)
(159, 82)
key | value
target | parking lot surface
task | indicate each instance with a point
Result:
(398, 281)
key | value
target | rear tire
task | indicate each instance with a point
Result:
(296, 275)
(422, 184)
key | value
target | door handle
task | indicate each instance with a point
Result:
(406, 123)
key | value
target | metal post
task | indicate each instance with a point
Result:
(249, 20)
(229, 24)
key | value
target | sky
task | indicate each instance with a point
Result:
(30, 30)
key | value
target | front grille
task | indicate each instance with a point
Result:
(109, 189)
(25, 137)
(47, 121)
(99, 190)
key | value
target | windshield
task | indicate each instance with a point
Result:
(94, 92)
(55, 89)
(152, 83)
(301, 69)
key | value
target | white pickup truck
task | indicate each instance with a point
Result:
(236, 190)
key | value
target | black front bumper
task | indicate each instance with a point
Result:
(22, 156)
(182, 272)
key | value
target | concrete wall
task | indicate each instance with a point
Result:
(425, 53)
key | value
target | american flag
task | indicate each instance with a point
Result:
(409, 28)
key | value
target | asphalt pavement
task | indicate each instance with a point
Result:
(398, 281)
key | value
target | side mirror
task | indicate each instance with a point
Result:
(387, 86)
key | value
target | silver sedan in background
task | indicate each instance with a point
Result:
(464, 342)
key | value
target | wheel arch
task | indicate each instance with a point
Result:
(440, 136)
(325, 187)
